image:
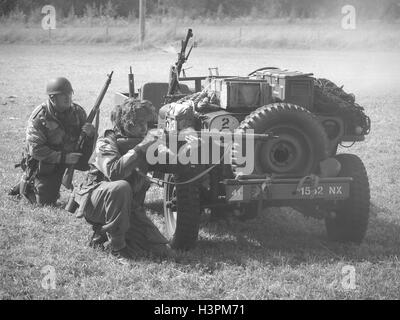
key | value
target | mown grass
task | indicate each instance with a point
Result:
(246, 32)
(279, 255)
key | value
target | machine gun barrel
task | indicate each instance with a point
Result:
(177, 68)
(131, 84)
(182, 55)
(212, 134)
(255, 136)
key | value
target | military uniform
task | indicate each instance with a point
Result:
(112, 197)
(48, 139)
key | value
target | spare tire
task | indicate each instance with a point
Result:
(300, 145)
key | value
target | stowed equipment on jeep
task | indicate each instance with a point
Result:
(287, 123)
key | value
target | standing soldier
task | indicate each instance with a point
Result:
(112, 198)
(52, 133)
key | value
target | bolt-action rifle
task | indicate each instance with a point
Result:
(67, 179)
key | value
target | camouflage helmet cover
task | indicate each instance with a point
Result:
(132, 111)
(59, 85)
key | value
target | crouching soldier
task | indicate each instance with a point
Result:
(52, 133)
(112, 197)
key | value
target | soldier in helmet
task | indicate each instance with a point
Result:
(53, 130)
(112, 198)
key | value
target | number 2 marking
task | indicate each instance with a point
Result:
(225, 123)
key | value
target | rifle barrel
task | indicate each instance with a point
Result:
(256, 136)
(99, 99)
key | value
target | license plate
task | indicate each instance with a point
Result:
(287, 191)
(324, 191)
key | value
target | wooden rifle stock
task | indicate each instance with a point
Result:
(68, 176)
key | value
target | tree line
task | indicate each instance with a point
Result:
(303, 9)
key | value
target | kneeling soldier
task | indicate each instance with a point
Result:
(111, 199)
(52, 133)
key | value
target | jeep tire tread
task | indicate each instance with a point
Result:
(349, 221)
(186, 221)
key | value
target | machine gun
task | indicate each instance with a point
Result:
(131, 80)
(177, 68)
(67, 179)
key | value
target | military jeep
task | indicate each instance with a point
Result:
(294, 123)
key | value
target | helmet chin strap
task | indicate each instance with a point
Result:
(52, 106)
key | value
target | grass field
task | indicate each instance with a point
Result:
(279, 255)
(245, 32)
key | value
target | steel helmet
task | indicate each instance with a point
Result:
(59, 85)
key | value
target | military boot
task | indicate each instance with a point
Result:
(124, 255)
(14, 191)
(98, 238)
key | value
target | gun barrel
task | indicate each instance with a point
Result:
(221, 134)
(182, 55)
(234, 135)
(177, 67)
(131, 84)
(99, 99)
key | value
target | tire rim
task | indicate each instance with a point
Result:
(291, 152)
(170, 215)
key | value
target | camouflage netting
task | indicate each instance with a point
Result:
(125, 116)
(331, 99)
(203, 101)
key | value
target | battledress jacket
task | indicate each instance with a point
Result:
(49, 138)
(114, 160)
(109, 162)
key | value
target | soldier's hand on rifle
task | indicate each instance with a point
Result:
(89, 129)
(148, 140)
(72, 158)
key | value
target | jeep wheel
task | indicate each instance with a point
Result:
(181, 212)
(300, 145)
(348, 222)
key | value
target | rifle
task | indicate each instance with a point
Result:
(177, 68)
(67, 179)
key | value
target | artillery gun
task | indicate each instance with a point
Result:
(288, 126)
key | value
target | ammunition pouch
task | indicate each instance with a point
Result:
(26, 161)
(80, 196)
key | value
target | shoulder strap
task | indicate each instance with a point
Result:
(37, 110)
